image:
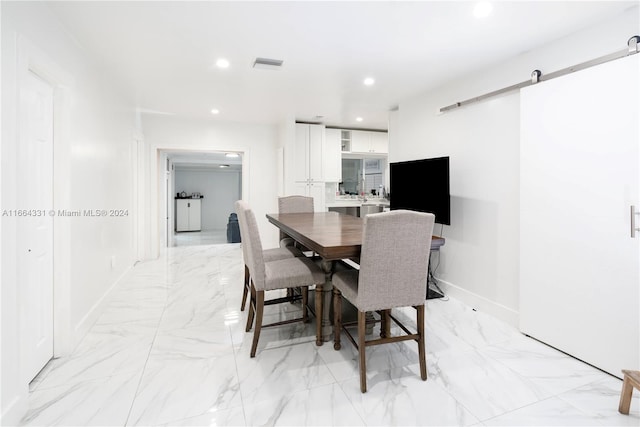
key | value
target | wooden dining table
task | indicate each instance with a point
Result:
(333, 237)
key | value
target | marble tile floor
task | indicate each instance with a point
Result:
(170, 349)
(204, 237)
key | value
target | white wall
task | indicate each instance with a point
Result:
(220, 188)
(480, 261)
(258, 143)
(94, 124)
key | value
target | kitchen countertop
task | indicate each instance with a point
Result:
(346, 202)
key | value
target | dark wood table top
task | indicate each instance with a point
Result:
(331, 235)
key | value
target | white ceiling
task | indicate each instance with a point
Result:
(165, 52)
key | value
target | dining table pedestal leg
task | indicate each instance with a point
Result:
(370, 321)
(323, 304)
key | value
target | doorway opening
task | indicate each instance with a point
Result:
(201, 189)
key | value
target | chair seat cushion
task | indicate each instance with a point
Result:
(276, 254)
(291, 273)
(347, 282)
(287, 241)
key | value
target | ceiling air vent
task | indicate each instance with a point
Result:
(267, 64)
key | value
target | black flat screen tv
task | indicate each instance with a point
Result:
(423, 186)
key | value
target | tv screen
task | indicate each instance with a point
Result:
(421, 185)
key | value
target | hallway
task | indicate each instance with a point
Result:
(170, 349)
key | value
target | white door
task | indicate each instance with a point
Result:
(36, 226)
(316, 142)
(332, 163)
(182, 215)
(379, 142)
(360, 141)
(317, 191)
(579, 265)
(168, 191)
(195, 215)
(301, 153)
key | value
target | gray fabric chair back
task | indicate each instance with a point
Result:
(254, 248)
(241, 206)
(295, 204)
(394, 259)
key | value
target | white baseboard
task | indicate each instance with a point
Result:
(13, 413)
(94, 312)
(481, 303)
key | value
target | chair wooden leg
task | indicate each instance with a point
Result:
(252, 307)
(625, 396)
(318, 315)
(246, 287)
(421, 349)
(631, 380)
(385, 323)
(361, 350)
(305, 299)
(337, 318)
(258, 327)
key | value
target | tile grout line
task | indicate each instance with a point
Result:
(558, 396)
(144, 368)
(235, 358)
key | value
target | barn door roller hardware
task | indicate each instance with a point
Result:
(633, 47)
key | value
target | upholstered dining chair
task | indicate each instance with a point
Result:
(394, 262)
(273, 254)
(266, 276)
(293, 204)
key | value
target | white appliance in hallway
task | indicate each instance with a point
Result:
(35, 257)
(188, 214)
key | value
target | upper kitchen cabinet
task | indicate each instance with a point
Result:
(332, 163)
(369, 142)
(308, 152)
(309, 164)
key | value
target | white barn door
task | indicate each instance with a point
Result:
(579, 265)
(36, 225)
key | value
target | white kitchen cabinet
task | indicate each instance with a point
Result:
(315, 190)
(309, 162)
(345, 140)
(369, 142)
(308, 150)
(360, 141)
(379, 142)
(332, 162)
(188, 214)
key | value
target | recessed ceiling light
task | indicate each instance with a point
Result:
(358, 119)
(232, 155)
(215, 111)
(222, 63)
(482, 9)
(369, 81)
